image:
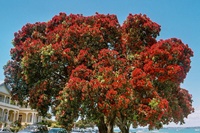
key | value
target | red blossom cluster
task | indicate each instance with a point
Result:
(139, 33)
(168, 60)
(39, 97)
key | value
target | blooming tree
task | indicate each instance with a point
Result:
(94, 68)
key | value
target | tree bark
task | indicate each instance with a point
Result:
(124, 129)
(106, 124)
(123, 124)
(110, 127)
(102, 126)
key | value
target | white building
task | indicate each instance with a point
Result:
(10, 111)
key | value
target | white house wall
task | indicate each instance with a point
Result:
(9, 113)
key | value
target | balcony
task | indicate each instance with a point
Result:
(7, 105)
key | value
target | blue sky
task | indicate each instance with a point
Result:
(180, 19)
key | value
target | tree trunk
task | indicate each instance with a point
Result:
(124, 129)
(102, 126)
(123, 124)
(110, 128)
(106, 127)
(111, 122)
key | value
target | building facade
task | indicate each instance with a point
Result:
(10, 111)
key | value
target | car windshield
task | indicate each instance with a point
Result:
(56, 130)
(32, 128)
(3, 130)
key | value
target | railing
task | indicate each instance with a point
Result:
(18, 107)
(9, 105)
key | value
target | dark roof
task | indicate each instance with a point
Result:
(7, 87)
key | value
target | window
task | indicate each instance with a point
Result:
(30, 118)
(1, 98)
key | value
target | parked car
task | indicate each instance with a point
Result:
(5, 130)
(84, 131)
(34, 129)
(57, 130)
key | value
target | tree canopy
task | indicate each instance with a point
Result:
(94, 68)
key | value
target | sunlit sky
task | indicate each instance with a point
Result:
(180, 19)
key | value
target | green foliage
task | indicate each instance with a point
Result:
(49, 123)
(154, 103)
(84, 124)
